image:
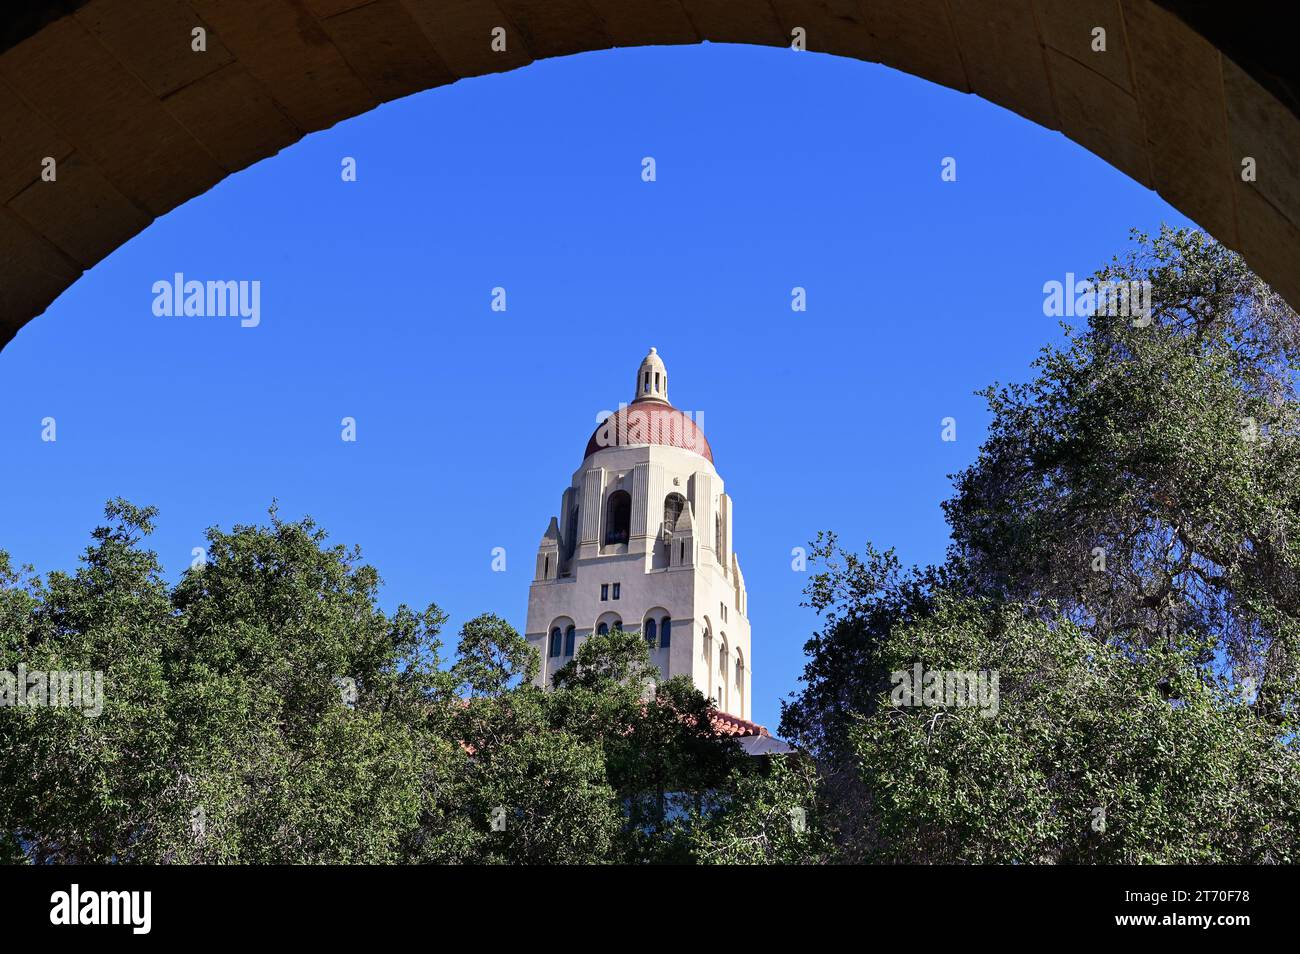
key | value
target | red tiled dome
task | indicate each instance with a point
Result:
(650, 422)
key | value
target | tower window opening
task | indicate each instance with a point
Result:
(656, 382)
(674, 504)
(617, 589)
(618, 518)
(570, 638)
(602, 629)
(651, 632)
(665, 632)
(572, 543)
(604, 592)
(554, 648)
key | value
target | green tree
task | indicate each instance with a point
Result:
(1124, 553)
(492, 657)
(662, 755)
(1147, 480)
(266, 710)
(1083, 760)
(262, 710)
(769, 814)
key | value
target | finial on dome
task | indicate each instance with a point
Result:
(651, 379)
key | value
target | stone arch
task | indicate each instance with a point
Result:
(610, 620)
(568, 636)
(138, 123)
(655, 615)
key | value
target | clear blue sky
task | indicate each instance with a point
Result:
(775, 169)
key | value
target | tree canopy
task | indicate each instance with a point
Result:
(1105, 667)
(1124, 559)
(265, 709)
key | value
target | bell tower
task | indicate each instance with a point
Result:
(642, 542)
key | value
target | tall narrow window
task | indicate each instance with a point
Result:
(604, 592)
(666, 632)
(618, 517)
(651, 633)
(572, 543)
(740, 684)
(617, 589)
(602, 629)
(554, 648)
(707, 647)
(570, 637)
(722, 676)
(674, 504)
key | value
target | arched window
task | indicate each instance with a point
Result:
(666, 632)
(674, 504)
(618, 517)
(602, 629)
(706, 645)
(617, 625)
(554, 648)
(722, 675)
(651, 632)
(740, 683)
(570, 637)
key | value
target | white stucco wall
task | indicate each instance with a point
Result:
(693, 594)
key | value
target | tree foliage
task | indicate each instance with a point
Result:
(265, 709)
(1125, 557)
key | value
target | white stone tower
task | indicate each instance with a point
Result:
(643, 541)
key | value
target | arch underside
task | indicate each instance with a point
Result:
(138, 123)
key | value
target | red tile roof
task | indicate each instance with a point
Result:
(649, 422)
(730, 725)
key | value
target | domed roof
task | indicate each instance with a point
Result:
(650, 418)
(650, 422)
